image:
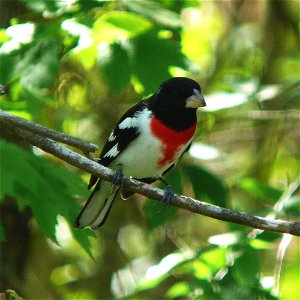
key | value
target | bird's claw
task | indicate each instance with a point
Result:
(119, 176)
(168, 195)
(167, 198)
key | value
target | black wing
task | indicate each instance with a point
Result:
(119, 139)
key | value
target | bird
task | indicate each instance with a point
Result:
(145, 144)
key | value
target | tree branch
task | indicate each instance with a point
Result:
(14, 121)
(155, 193)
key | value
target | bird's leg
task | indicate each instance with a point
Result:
(119, 176)
(168, 192)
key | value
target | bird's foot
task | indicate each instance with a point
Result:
(168, 195)
(119, 176)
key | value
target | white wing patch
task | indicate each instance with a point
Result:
(112, 137)
(141, 157)
(113, 152)
(128, 123)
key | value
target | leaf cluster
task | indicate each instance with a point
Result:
(75, 66)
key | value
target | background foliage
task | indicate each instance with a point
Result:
(75, 66)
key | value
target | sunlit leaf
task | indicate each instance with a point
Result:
(214, 259)
(198, 47)
(117, 25)
(269, 236)
(179, 289)
(3, 37)
(129, 22)
(260, 244)
(152, 57)
(156, 274)
(225, 239)
(155, 13)
(40, 65)
(55, 7)
(204, 264)
(86, 56)
(260, 190)
(290, 276)
(41, 5)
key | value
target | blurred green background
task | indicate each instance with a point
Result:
(76, 66)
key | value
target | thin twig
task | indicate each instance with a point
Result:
(152, 192)
(289, 192)
(285, 241)
(38, 129)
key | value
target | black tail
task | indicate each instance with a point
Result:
(97, 207)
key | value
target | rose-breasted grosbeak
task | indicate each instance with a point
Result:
(146, 143)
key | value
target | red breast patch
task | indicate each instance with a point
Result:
(172, 140)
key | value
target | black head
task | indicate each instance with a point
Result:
(176, 101)
(181, 92)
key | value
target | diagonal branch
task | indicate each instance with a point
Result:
(155, 193)
(14, 121)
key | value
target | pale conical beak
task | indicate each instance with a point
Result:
(196, 100)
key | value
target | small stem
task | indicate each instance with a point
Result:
(286, 240)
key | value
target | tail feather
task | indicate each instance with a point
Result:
(97, 207)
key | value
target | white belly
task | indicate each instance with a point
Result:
(143, 155)
(141, 159)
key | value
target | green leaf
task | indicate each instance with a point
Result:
(269, 236)
(47, 189)
(246, 268)
(39, 65)
(156, 213)
(179, 289)
(292, 207)
(231, 289)
(116, 25)
(206, 186)
(114, 63)
(161, 271)
(265, 240)
(88, 5)
(151, 58)
(32, 69)
(260, 190)
(154, 12)
(3, 36)
(209, 262)
(8, 64)
(41, 5)
(132, 23)
(57, 7)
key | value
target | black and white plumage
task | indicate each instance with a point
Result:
(147, 142)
